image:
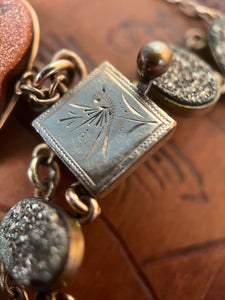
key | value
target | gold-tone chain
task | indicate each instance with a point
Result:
(43, 156)
(85, 207)
(13, 291)
(45, 87)
(192, 8)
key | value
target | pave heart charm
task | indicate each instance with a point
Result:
(189, 86)
(38, 242)
(216, 40)
(15, 42)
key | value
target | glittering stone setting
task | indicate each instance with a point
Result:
(34, 242)
(216, 37)
(189, 82)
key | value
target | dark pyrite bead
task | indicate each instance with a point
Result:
(153, 60)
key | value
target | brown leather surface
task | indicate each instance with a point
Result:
(15, 40)
(161, 235)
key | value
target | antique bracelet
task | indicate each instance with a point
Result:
(101, 129)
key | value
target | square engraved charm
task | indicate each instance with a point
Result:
(103, 127)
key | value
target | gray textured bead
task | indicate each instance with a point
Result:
(34, 243)
(190, 83)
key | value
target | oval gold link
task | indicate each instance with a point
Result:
(4, 283)
(52, 69)
(44, 147)
(47, 86)
(31, 90)
(96, 209)
(33, 172)
(76, 60)
(19, 292)
(42, 155)
(84, 205)
(48, 194)
(75, 202)
(46, 100)
(58, 84)
(27, 76)
(93, 212)
(14, 291)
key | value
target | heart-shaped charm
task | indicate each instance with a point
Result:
(39, 244)
(189, 85)
(16, 33)
(216, 40)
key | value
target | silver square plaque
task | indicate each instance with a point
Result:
(102, 128)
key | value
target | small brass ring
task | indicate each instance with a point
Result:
(19, 292)
(56, 85)
(48, 194)
(88, 217)
(4, 283)
(33, 174)
(31, 90)
(46, 101)
(75, 202)
(44, 147)
(52, 69)
(94, 211)
(74, 58)
(84, 205)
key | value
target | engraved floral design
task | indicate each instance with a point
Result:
(100, 115)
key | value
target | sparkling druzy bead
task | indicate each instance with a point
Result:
(189, 86)
(40, 245)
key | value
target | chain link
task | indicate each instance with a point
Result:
(53, 296)
(42, 156)
(48, 85)
(85, 207)
(14, 291)
(192, 8)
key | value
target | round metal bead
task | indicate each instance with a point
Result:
(153, 60)
(40, 245)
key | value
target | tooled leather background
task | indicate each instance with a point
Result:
(161, 235)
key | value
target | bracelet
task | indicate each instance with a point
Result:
(98, 113)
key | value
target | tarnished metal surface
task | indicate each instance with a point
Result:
(103, 127)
